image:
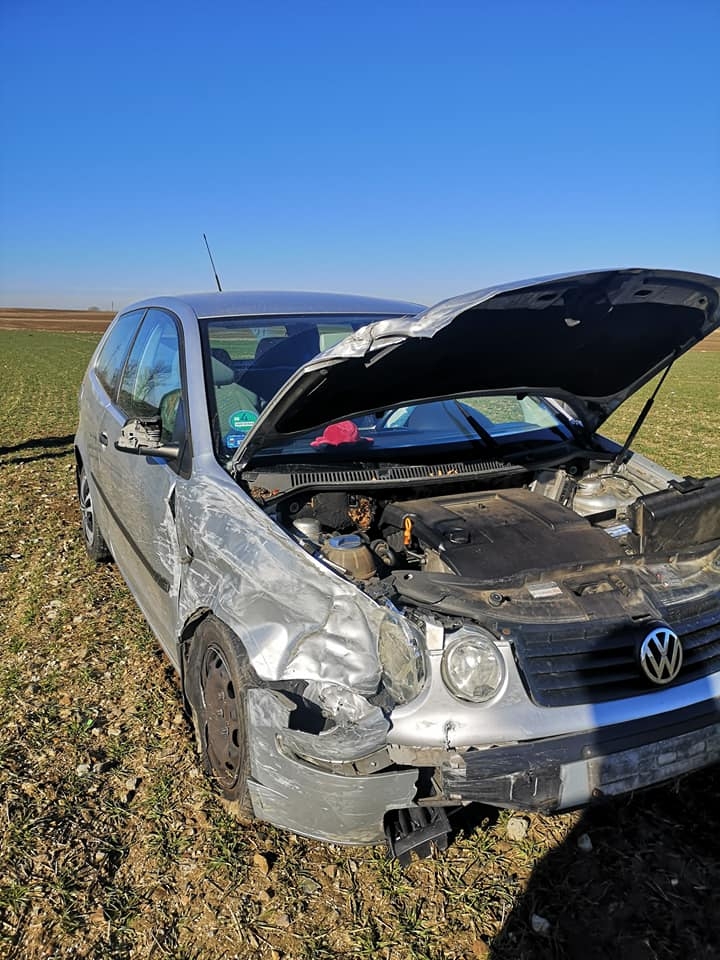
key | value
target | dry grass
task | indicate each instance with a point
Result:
(112, 844)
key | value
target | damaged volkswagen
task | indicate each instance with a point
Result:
(395, 565)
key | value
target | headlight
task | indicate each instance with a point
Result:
(473, 668)
(400, 647)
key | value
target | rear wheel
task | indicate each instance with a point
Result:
(217, 679)
(95, 545)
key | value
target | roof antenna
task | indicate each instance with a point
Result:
(217, 281)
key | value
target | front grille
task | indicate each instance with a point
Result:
(562, 666)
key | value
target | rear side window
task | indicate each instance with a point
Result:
(115, 349)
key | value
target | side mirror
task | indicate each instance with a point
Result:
(142, 437)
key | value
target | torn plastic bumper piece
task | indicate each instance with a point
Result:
(414, 830)
(291, 793)
(341, 744)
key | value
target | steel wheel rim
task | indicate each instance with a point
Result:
(86, 509)
(222, 718)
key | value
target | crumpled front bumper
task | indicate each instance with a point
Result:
(346, 802)
(560, 773)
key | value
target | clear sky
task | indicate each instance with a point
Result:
(411, 149)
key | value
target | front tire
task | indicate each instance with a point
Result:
(217, 678)
(94, 542)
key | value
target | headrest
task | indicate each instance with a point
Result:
(266, 344)
(222, 355)
(292, 351)
(222, 374)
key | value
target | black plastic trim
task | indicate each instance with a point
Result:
(527, 776)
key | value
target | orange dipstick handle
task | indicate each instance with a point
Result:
(407, 531)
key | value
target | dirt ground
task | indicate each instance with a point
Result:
(711, 343)
(21, 318)
(113, 844)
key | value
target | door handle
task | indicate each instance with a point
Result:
(103, 438)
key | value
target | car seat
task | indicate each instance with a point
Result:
(231, 398)
(277, 358)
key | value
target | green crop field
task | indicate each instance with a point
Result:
(113, 845)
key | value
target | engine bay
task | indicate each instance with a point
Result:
(507, 522)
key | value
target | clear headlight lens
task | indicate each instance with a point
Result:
(400, 647)
(473, 668)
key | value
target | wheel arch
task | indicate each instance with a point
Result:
(187, 635)
(185, 640)
(78, 462)
(206, 638)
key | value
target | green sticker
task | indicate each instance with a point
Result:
(242, 419)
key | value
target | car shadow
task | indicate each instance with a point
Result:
(637, 878)
(55, 447)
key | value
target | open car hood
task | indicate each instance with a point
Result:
(590, 339)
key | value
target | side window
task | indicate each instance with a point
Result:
(151, 384)
(112, 356)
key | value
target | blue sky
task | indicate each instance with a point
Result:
(408, 149)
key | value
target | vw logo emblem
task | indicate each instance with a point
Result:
(661, 655)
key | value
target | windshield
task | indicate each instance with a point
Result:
(248, 359)
(488, 425)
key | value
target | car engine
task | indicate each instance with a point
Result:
(501, 526)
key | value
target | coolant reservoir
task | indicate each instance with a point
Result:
(352, 554)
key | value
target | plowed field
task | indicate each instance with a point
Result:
(17, 318)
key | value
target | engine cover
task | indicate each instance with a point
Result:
(500, 533)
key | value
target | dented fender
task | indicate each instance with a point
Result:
(296, 618)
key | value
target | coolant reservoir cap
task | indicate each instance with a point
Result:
(349, 541)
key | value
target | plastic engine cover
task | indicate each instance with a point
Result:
(499, 533)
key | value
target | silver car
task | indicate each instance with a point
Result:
(394, 564)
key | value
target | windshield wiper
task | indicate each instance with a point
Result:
(484, 435)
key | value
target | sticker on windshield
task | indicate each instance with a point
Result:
(242, 419)
(233, 440)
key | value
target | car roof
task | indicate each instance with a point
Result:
(234, 303)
